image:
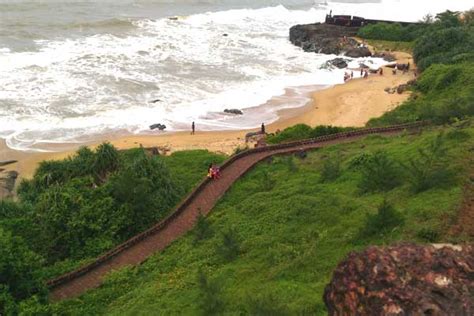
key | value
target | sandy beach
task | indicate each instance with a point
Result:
(349, 104)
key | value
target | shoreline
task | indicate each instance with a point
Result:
(350, 104)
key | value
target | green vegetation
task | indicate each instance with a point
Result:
(447, 39)
(391, 32)
(273, 248)
(303, 131)
(443, 51)
(381, 45)
(270, 245)
(73, 210)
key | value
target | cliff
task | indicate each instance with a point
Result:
(328, 39)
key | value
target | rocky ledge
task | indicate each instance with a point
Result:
(405, 279)
(7, 179)
(328, 39)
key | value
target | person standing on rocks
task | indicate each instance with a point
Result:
(193, 128)
(263, 128)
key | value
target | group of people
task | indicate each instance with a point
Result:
(348, 76)
(213, 172)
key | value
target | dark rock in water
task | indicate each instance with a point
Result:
(155, 101)
(339, 63)
(327, 39)
(158, 126)
(405, 279)
(225, 34)
(233, 111)
(358, 52)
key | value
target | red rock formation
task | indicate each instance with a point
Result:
(405, 279)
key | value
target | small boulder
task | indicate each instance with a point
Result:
(385, 55)
(339, 63)
(158, 126)
(233, 111)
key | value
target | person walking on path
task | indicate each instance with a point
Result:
(263, 128)
(193, 128)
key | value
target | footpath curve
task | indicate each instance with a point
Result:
(201, 201)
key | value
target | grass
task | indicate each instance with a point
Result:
(290, 236)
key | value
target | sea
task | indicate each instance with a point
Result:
(73, 71)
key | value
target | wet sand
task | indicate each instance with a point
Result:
(349, 104)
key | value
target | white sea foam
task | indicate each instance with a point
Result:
(72, 89)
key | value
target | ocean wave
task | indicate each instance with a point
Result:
(112, 23)
(71, 89)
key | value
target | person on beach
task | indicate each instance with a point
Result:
(193, 128)
(262, 130)
(381, 71)
(352, 74)
(361, 72)
(366, 74)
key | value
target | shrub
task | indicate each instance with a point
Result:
(229, 247)
(360, 161)
(331, 169)
(106, 161)
(265, 304)
(296, 132)
(380, 173)
(202, 229)
(428, 235)
(303, 131)
(390, 32)
(18, 272)
(266, 181)
(290, 164)
(385, 220)
(430, 169)
(210, 303)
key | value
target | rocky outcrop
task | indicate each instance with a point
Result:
(327, 39)
(405, 279)
(386, 56)
(7, 183)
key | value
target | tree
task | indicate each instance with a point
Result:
(386, 219)
(448, 19)
(106, 161)
(430, 168)
(379, 173)
(18, 271)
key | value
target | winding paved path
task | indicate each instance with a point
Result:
(201, 200)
